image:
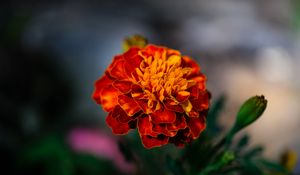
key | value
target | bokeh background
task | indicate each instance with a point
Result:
(52, 52)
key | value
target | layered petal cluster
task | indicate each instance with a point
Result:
(157, 90)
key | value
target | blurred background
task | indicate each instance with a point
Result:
(51, 53)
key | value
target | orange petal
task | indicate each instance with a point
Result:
(196, 125)
(150, 142)
(145, 126)
(128, 105)
(122, 85)
(181, 96)
(171, 105)
(179, 123)
(109, 97)
(163, 116)
(116, 126)
(99, 85)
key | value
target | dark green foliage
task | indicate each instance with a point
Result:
(50, 155)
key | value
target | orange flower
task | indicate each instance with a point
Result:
(156, 90)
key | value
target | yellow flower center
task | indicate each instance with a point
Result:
(162, 77)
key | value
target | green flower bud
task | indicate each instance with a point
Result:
(250, 111)
(134, 41)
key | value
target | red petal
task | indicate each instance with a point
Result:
(171, 105)
(116, 59)
(193, 113)
(132, 60)
(194, 91)
(99, 85)
(145, 126)
(200, 81)
(132, 52)
(196, 125)
(162, 129)
(202, 102)
(150, 142)
(163, 116)
(119, 114)
(143, 104)
(122, 85)
(116, 69)
(128, 105)
(181, 96)
(109, 97)
(188, 62)
(116, 126)
(179, 123)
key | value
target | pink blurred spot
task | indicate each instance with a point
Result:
(95, 142)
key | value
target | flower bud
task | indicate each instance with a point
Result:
(250, 111)
(134, 41)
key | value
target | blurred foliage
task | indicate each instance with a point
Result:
(51, 155)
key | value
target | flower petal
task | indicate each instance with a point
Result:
(196, 125)
(116, 126)
(109, 97)
(181, 96)
(173, 106)
(143, 104)
(145, 126)
(187, 106)
(99, 85)
(122, 85)
(179, 123)
(188, 62)
(116, 69)
(194, 91)
(202, 101)
(132, 60)
(150, 142)
(128, 105)
(162, 129)
(119, 114)
(200, 81)
(163, 116)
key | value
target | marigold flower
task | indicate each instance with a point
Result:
(156, 90)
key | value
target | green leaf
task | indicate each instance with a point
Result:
(242, 143)
(256, 151)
